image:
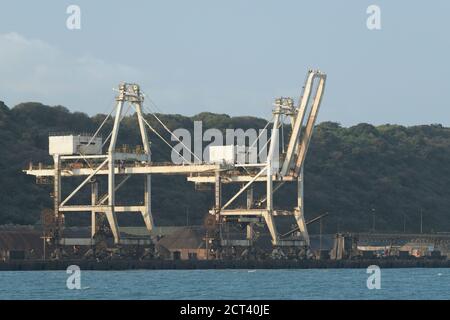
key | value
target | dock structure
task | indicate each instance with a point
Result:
(83, 156)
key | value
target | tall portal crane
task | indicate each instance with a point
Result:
(271, 173)
(68, 150)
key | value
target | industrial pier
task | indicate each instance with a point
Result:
(107, 245)
(119, 166)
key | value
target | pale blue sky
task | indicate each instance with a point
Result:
(232, 56)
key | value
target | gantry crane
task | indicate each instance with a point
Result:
(119, 166)
(271, 173)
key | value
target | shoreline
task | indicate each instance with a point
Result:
(117, 265)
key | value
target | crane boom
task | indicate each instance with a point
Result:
(306, 138)
(294, 145)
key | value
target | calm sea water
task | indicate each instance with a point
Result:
(228, 284)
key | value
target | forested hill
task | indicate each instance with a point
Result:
(393, 171)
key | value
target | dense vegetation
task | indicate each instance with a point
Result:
(392, 171)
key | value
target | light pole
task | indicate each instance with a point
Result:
(404, 222)
(421, 221)
(187, 216)
(338, 225)
(320, 235)
(373, 220)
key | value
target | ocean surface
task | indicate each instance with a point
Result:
(227, 284)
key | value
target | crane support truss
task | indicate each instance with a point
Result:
(271, 172)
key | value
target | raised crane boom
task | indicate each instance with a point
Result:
(291, 167)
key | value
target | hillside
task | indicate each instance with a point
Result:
(397, 171)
